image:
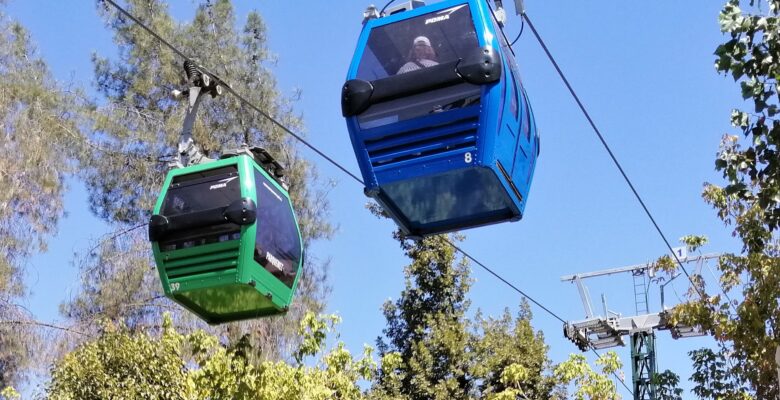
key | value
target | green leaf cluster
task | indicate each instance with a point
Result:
(124, 365)
(714, 378)
(745, 320)
(589, 383)
(750, 56)
(9, 394)
(667, 386)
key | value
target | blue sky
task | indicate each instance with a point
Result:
(645, 72)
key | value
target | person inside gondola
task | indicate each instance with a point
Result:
(421, 55)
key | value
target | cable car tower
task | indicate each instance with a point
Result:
(608, 330)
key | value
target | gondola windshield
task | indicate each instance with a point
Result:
(193, 195)
(410, 46)
(449, 33)
(277, 246)
(202, 191)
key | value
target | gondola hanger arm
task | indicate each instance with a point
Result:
(199, 84)
(520, 7)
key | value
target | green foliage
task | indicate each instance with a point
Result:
(9, 394)
(116, 283)
(511, 357)
(136, 117)
(427, 327)
(713, 378)
(667, 386)
(314, 332)
(694, 242)
(432, 350)
(750, 202)
(121, 364)
(589, 383)
(751, 168)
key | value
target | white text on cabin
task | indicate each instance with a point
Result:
(437, 19)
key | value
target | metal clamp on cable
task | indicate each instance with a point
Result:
(199, 83)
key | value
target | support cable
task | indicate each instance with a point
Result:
(615, 160)
(233, 92)
(490, 271)
(522, 28)
(620, 167)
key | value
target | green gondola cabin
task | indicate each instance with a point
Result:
(226, 240)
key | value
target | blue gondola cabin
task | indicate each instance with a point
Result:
(440, 123)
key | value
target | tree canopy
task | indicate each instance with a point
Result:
(122, 364)
(745, 318)
(433, 349)
(39, 139)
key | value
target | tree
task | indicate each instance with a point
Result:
(38, 139)
(124, 364)
(511, 357)
(431, 349)
(667, 386)
(138, 120)
(713, 377)
(746, 320)
(590, 384)
(427, 327)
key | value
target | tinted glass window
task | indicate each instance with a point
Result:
(430, 39)
(513, 96)
(512, 73)
(456, 197)
(277, 248)
(526, 118)
(202, 191)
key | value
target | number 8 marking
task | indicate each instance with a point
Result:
(467, 158)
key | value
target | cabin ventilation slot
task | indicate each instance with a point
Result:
(430, 141)
(187, 263)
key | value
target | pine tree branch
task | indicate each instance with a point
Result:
(44, 325)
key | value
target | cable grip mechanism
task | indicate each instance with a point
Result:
(197, 83)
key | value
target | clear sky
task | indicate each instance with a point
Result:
(645, 72)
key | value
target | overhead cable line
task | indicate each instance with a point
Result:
(227, 87)
(499, 277)
(614, 158)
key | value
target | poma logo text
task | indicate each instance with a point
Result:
(437, 19)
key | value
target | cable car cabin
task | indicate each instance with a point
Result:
(439, 120)
(226, 241)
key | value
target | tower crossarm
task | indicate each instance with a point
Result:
(600, 332)
(679, 331)
(632, 268)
